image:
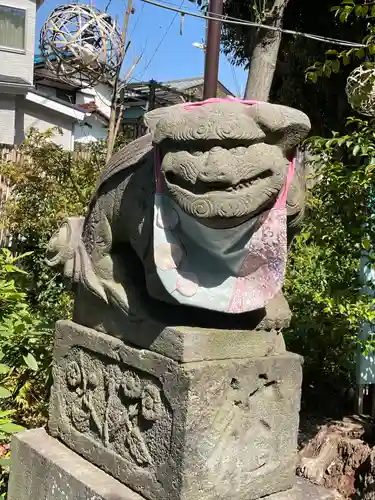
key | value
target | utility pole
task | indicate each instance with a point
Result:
(151, 96)
(211, 66)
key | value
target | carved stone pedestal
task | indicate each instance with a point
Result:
(169, 430)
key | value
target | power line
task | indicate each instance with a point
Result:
(234, 20)
(238, 90)
(161, 41)
(137, 20)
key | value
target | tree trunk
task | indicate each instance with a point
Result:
(264, 56)
(335, 457)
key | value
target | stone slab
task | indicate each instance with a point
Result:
(42, 468)
(45, 469)
(188, 344)
(209, 430)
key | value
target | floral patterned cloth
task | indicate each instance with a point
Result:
(198, 276)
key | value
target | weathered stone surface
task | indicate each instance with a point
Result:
(186, 344)
(223, 337)
(45, 469)
(209, 430)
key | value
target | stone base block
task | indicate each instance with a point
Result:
(208, 430)
(45, 469)
(185, 344)
(42, 468)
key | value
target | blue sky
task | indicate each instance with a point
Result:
(176, 57)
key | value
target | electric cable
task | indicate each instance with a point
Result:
(233, 20)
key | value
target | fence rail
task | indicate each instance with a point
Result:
(11, 154)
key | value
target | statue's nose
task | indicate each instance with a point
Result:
(216, 167)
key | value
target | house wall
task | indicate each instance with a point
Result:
(43, 119)
(7, 119)
(18, 63)
(101, 94)
(91, 130)
(198, 91)
(94, 128)
(46, 89)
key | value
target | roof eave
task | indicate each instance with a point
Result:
(59, 107)
(14, 88)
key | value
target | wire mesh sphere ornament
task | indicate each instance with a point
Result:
(360, 89)
(78, 42)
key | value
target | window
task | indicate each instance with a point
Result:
(12, 27)
(66, 95)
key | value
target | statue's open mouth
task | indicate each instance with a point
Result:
(201, 187)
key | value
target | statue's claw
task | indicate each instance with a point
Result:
(66, 249)
(62, 247)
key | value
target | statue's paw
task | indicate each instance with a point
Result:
(64, 242)
(278, 314)
(63, 248)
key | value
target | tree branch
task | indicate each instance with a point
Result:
(113, 115)
(121, 108)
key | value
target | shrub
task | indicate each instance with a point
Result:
(323, 283)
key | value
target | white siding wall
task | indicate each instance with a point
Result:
(43, 119)
(101, 94)
(7, 119)
(92, 129)
(21, 64)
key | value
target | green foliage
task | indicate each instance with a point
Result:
(238, 41)
(324, 102)
(49, 185)
(347, 12)
(323, 278)
(25, 340)
(25, 357)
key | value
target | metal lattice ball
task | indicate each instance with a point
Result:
(360, 89)
(78, 42)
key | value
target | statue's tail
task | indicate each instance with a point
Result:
(66, 249)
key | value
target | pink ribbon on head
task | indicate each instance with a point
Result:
(284, 192)
(214, 100)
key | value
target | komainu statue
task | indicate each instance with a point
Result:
(190, 224)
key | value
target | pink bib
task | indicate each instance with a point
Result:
(198, 278)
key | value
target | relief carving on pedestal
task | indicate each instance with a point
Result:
(118, 406)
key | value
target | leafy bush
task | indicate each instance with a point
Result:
(323, 277)
(25, 340)
(25, 360)
(48, 185)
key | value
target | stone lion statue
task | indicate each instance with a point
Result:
(190, 223)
